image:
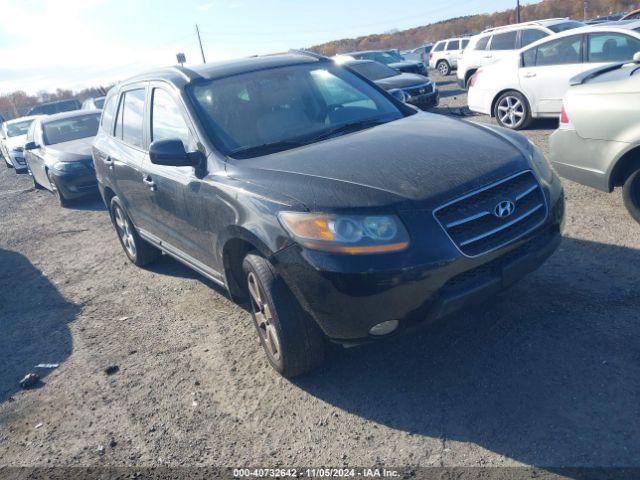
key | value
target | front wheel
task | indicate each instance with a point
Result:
(631, 195)
(138, 251)
(62, 200)
(293, 342)
(444, 68)
(512, 111)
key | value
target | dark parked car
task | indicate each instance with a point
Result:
(58, 154)
(334, 210)
(52, 108)
(417, 89)
(391, 59)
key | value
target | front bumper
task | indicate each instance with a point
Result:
(75, 185)
(428, 100)
(583, 160)
(347, 300)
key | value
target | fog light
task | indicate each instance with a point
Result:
(384, 328)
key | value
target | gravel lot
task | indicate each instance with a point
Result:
(546, 375)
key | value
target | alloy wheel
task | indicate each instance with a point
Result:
(125, 231)
(444, 70)
(263, 317)
(511, 112)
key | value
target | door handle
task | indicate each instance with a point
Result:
(150, 183)
(529, 75)
(488, 56)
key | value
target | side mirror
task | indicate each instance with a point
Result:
(636, 57)
(31, 146)
(172, 153)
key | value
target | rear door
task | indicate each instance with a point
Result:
(500, 46)
(452, 51)
(35, 158)
(545, 72)
(126, 158)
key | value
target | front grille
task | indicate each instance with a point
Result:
(420, 90)
(471, 221)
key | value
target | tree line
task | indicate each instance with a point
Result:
(414, 37)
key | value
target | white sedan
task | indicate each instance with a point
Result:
(531, 82)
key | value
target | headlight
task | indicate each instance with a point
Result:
(68, 166)
(398, 95)
(540, 163)
(352, 234)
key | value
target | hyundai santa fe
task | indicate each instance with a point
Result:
(329, 208)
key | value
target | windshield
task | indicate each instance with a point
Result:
(99, 102)
(263, 112)
(373, 70)
(569, 25)
(68, 129)
(19, 128)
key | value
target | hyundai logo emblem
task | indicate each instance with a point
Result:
(504, 209)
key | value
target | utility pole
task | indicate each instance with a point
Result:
(517, 11)
(200, 42)
(585, 6)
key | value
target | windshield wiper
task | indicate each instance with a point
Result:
(265, 149)
(347, 128)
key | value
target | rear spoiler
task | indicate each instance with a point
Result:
(584, 77)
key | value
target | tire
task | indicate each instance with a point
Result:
(631, 195)
(292, 340)
(7, 163)
(138, 251)
(512, 111)
(36, 185)
(62, 201)
(444, 68)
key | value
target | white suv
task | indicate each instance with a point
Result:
(445, 54)
(531, 82)
(496, 43)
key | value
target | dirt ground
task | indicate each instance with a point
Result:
(548, 374)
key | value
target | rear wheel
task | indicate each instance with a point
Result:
(631, 195)
(512, 111)
(62, 200)
(139, 251)
(7, 162)
(444, 68)
(293, 342)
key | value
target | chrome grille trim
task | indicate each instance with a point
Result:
(479, 231)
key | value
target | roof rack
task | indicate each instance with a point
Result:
(524, 24)
(308, 53)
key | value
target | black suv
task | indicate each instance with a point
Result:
(334, 210)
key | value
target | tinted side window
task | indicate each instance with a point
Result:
(482, 43)
(130, 117)
(465, 43)
(563, 51)
(612, 47)
(108, 113)
(531, 35)
(439, 47)
(504, 41)
(453, 45)
(529, 57)
(167, 122)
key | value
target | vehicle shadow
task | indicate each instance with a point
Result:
(451, 93)
(34, 320)
(548, 374)
(91, 203)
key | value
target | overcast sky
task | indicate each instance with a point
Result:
(46, 44)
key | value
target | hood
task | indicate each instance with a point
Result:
(418, 162)
(15, 142)
(75, 150)
(403, 80)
